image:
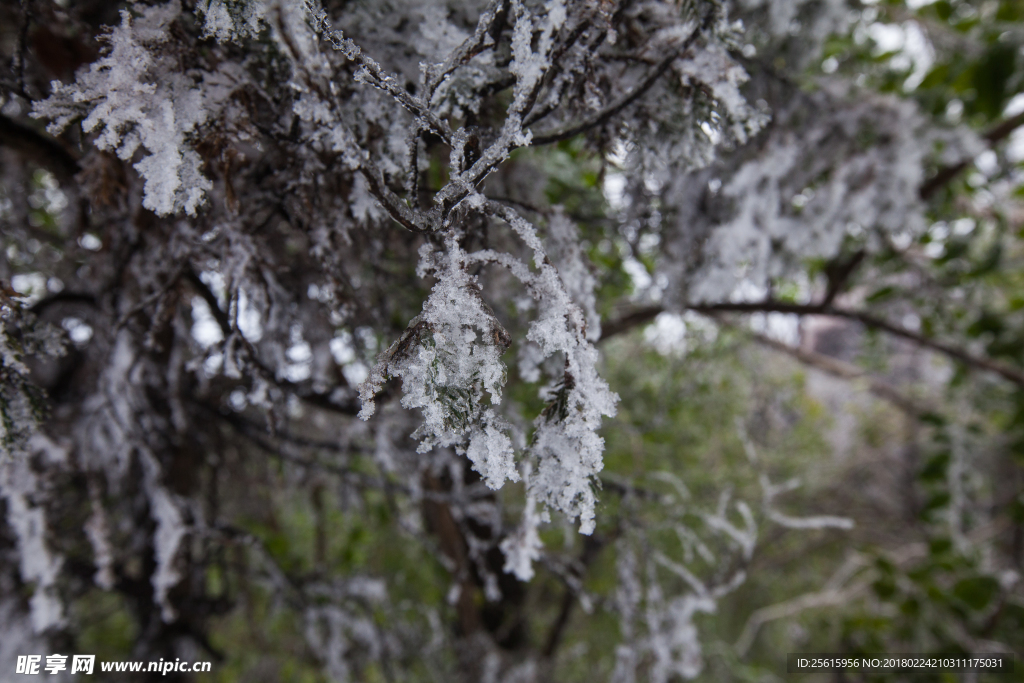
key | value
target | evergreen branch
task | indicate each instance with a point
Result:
(606, 114)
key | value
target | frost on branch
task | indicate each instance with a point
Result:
(574, 267)
(657, 625)
(413, 117)
(135, 97)
(122, 435)
(851, 170)
(776, 20)
(522, 547)
(566, 446)
(449, 361)
(21, 402)
(714, 68)
(226, 20)
(24, 493)
(529, 66)
(339, 626)
(22, 489)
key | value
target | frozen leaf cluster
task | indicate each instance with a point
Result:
(135, 98)
(228, 20)
(449, 361)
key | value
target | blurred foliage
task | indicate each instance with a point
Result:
(930, 577)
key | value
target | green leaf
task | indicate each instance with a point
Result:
(977, 592)
(935, 468)
(1010, 10)
(884, 588)
(881, 294)
(936, 501)
(991, 78)
(935, 77)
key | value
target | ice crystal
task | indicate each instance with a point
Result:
(135, 97)
(522, 548)
(449, 361)
(226, 20)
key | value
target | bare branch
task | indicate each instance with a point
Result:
(839, 272)
(40, 149)
(592, 546)
(794, 606)
(644, 315)
(838, 368)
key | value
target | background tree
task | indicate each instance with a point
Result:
(494, 340)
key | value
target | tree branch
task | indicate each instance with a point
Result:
(472, 46)
(211, 301)
(377, 77)
(838, 368)
(20, 50)
(626, 322)
(40, 149)
(607, 113)
(792, 607)
(838, 273)
(945, 174)
(1005, 371)
(391, 202)
(592, 546)
(307, 394)
(644, 315)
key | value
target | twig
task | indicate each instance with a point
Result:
(839, 272)
(376, 76)
(592, 546)
(472, 46)
(607, 113)
(18, 60)
(319, 400)
(391, 202)
(788, 608)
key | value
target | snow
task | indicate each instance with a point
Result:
(170, 532)
(134, 98)
(523, 547)
(574, 268)
(805, 192)
(231, 21)
(21, 489)
(810, 184)
(715, 68)
(449, 361)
